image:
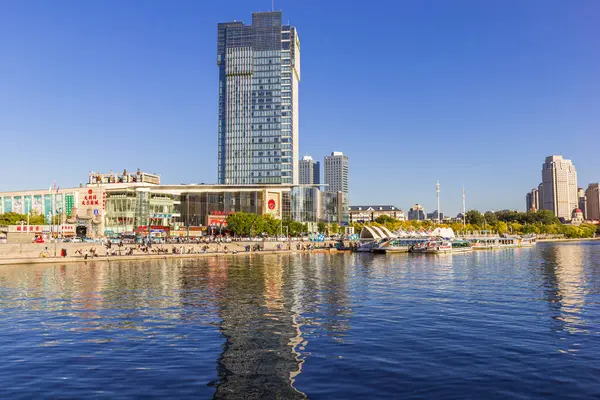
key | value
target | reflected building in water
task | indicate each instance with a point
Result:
(565, 280)
(270, 306)
(259, 357)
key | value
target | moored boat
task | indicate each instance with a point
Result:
(397, 245)
(461, 246)
(433, 246)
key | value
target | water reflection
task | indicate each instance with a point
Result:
(563, 272)
(294, 326)
(254, 305)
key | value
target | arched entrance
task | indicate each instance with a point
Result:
(81, 231)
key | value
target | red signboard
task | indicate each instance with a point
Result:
(217, 220)
(271, 204)
(38, 228)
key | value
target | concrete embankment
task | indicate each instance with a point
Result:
(569, 240)
(11, 254)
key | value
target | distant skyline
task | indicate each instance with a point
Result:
(412, 92)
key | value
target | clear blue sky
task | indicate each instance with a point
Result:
(412, 91)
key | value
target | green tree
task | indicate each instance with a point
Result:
(551, 229)
(474, 217)
(322, 227)
(516, 227)
(502, 227)
(240, 223)
(546, 217)
(531, 228)
(384, 219)
(507, 215)
(295, 228)
(334, 228)
(12, 218)
(490, 218)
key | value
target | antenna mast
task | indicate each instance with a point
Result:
(437, 189)
(464, 207)
(272, 5)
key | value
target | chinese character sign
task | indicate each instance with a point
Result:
(69, 203)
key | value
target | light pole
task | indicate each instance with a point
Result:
(437, 189)
(464, 209)
(187, 217)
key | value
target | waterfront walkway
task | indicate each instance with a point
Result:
(15, 254)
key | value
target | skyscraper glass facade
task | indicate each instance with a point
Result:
(259, 71)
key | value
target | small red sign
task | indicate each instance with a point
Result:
(271, 204)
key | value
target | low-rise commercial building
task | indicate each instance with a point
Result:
(139, 203)
(370, 213)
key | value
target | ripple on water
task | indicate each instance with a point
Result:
(508, 324)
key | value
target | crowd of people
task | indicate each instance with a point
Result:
(181, 246)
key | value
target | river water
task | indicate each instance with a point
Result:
(517, 323)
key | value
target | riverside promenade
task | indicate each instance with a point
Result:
(31, 253)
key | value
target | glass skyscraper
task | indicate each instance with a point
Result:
(259, 71)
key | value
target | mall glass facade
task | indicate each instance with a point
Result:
(129, 209)
(195, 208)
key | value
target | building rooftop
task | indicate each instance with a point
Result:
(374, 208)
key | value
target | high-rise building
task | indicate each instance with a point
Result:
(582, 202)
(310, 171)
(560, 186)
(528, 201)
(259, 72)
(532, 200)
(336, 178)
(540, 196)
(336, 172)
(416, 212)
(593, 201)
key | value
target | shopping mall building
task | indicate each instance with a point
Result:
(130, 203)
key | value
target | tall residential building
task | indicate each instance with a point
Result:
(532, 200)
(259, 72)
(540, 196)
(582, 202)
(560, 186)
(593, 201)
(310, 171)
(336, 178)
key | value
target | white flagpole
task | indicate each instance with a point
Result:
(464, 207)
(437, 188)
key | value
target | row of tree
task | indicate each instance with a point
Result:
(544, 217)
(13, 218)
(512, 222)
(248, 224)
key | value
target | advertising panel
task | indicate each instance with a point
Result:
(18, 204)
(274, 204)
(37, 204)
(48, 207)
(58, 203)
(27, 200)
